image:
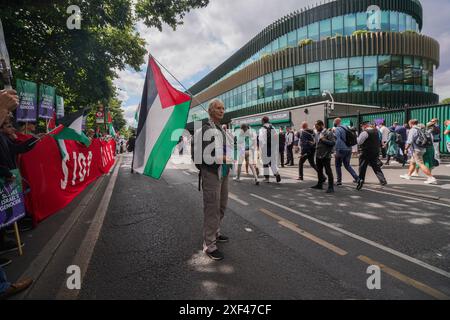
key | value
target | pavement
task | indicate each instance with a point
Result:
(137, 238)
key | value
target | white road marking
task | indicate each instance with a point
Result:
(236, 198)
(360, 238)
(368, 188)
(186, 173)
(405, 197)
(84, 254)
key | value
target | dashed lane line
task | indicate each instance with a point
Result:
(405, 279)
(236, 198)
(293, 227)
(360, 238)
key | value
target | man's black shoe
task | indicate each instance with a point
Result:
(4, 262)
(222, 239)
(383, 183)
(317, 187)
(215, 255)
(339, 183)
(360, 184)
(330, 190)
(278, 178)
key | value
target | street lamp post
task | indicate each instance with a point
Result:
(324, 94)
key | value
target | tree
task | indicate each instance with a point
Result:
(82, 64)
(446, 101)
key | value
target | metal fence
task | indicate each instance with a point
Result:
(423, 114)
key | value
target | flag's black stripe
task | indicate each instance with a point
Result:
(70, 118)
(148, 97)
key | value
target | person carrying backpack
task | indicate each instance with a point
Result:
(268, 142)
(418, 141)
(345, 140)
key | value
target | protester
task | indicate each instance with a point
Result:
(90, 134)
(8, 290)
(214, 175)
(308, 149)
(344, 150)
(369, 144)
(281, 145)
(392, 146)
(267, 138)
(325, 141)
(9, 150)
(289, 147)
(26, 129)
(418, 141)
(246, 149)
(8, 103)
(131, 143)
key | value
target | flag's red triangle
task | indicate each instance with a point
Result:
(168, 95)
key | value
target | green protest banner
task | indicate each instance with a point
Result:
(59, 107)
(47, 101)
(27, 109)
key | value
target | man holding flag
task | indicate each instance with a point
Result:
(214, 172)
(164, 111)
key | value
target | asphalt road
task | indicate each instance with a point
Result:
(287, 242)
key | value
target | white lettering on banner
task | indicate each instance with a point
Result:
(9, 200)
(107, 155)
(90, 156)
(65, 170)
(81, 168)
(82, 164)
(74, 168)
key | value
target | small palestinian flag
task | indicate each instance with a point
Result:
(72, 129)
(163, 111)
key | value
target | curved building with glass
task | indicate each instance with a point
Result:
(367, 52)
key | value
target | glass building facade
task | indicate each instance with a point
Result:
(358, 73)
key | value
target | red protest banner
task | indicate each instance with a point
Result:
(57, 174)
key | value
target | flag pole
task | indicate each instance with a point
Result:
(187, 90)
(132, 160)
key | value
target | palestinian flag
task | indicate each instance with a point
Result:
(72, 129)
(163, 110)
(136, 116)
(112, 132)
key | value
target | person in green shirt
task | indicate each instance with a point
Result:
(447, 134)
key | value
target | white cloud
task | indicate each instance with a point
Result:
(212, 34)
(130, 84)
(129, 112)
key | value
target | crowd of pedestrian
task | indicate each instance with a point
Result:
(376, 145)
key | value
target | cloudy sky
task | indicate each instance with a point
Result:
(210, 35)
